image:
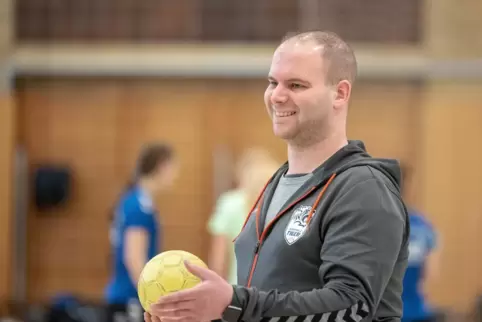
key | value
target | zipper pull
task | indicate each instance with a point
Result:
(256, 249)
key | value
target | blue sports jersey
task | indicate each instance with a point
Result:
(422, 242)
(135, 209)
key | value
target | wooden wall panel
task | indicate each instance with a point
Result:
(384, 116)
(7, 137)
(97, 126)
(72, 124)
(450, 162)
(251, 125)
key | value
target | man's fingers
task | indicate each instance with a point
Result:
(180, 296)
(150, 318)
(182, 318)
(201, 272)
(167, 314)
(147, 317)
(179, 315)
(169, 309)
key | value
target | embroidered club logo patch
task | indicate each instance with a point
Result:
(297, 226)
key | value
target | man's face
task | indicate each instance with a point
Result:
(297, 99)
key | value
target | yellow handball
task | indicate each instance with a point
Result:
(164, 274)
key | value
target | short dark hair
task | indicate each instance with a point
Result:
(151, 156)
(342, 64)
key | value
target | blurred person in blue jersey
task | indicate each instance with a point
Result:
(422, 263)
(135, 232)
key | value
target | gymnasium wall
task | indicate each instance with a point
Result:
(96, 124)
(433, 127)
(96, 127)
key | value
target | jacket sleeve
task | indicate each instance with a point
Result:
(362, 233)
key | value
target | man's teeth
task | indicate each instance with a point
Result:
(283, 114)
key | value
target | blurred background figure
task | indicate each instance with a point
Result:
(136, 230)
(253, 170)
(422, 262)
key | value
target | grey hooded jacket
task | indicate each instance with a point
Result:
(337, 251)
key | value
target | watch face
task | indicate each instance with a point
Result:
(232, 314)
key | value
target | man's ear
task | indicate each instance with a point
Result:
(342, 93)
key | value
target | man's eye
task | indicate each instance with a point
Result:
(272, 83)
(296, 86)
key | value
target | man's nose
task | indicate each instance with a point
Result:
(279, 95)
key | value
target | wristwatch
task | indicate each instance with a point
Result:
(232, 314)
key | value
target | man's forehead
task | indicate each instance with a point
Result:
(298, 56)
(300, 47)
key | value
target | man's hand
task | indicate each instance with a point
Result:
(149, 318)
(204, 302)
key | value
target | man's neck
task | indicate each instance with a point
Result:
(306, 159)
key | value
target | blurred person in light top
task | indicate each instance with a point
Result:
(253, 169)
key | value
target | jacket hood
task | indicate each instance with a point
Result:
(354, 154)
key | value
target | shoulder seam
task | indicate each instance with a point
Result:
(355, 185)
(373, 177)
(395, 193)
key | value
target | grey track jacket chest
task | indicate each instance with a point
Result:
(337, 251)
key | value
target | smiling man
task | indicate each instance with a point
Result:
(327, 238)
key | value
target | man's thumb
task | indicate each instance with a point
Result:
(201, 272)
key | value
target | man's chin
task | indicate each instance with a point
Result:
(284, 135)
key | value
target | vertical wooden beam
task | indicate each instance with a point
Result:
(7, 137)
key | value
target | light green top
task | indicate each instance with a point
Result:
(227, 220)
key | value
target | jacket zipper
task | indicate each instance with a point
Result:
(265, 231)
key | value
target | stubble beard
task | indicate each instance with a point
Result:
(309, 134)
